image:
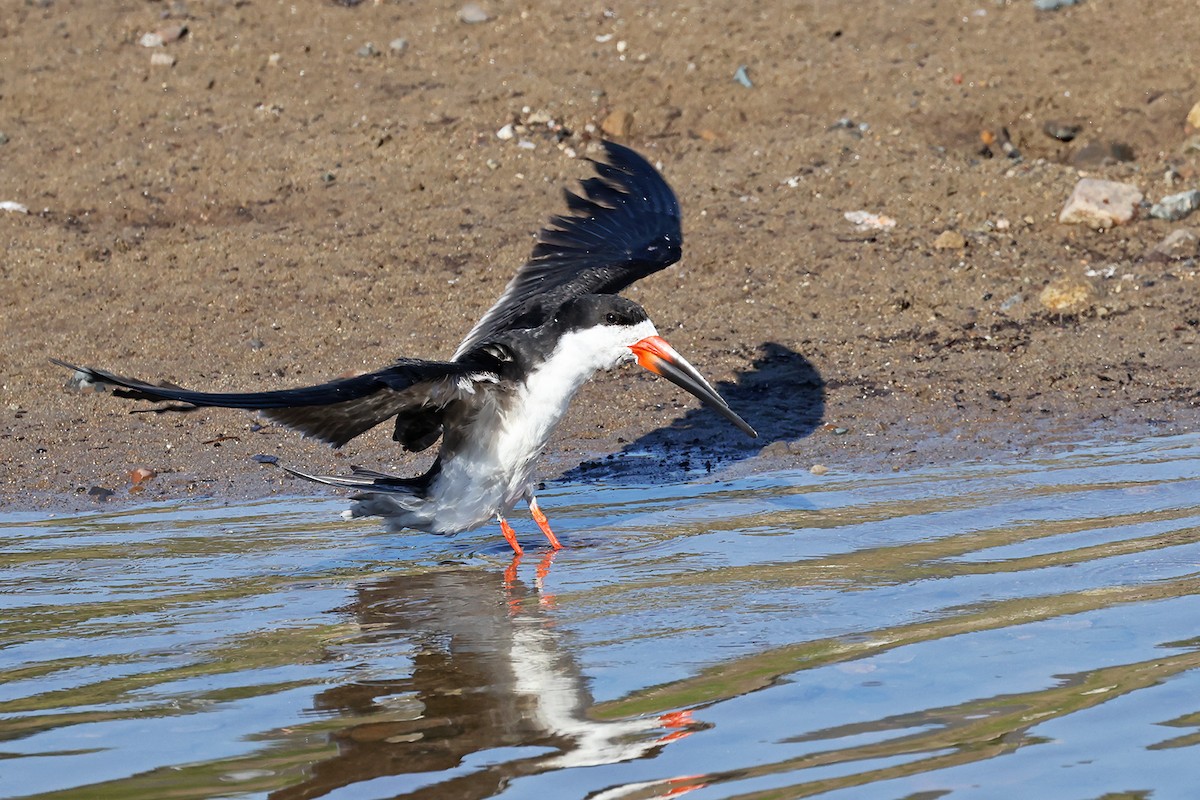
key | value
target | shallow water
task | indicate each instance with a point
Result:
(1024, 630)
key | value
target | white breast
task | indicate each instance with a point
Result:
(493, 466)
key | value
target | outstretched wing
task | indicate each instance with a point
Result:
(415, 392)
(624, 227)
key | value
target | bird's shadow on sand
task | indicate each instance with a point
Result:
(781, 395)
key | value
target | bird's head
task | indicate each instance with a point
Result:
(614, 330)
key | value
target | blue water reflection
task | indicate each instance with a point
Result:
(1023, 629)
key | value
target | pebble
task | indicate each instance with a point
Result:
(506, 133)
(1193, 117)
(473, 14)
(162, 60)
(141, 475)
(1069, 295)
(742, 77)
(14, 206)
(1179, 244)
(618, 124)
(1100, 204)
(162, 36)
(1176, 206)
(1054, 5)
(949, 240)
(366, 51)
(398, 45)
(818, 469)
(263, 458)
(1063, 131)
(3, 137)
(866, 221)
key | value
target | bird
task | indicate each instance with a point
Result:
(496, 402)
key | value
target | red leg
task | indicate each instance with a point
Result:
(543, 523)
(509, 536)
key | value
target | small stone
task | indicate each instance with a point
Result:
(776, 449)
(162, 36)
(141, 475)
(263, 458)
(949, 240)
(742, 77)
(1063, 131)
(1193, 117)
(3, 137)
(274, 59)
(1100, 204)
(1069, 295)
(1179, 244)
(473, 14)
(1176, 206)
(172, 33)
(818, 469)
(866, 221)
(618, 124)
(506, 133)
(1053, 5)
(162, 60)
(14, 206)
(398, 45)
(366, 51)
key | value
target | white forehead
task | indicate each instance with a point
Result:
(601, 346)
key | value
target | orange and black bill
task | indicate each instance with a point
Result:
(656, 355)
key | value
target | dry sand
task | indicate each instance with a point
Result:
(280, 206)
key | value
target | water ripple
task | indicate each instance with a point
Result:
(1023, 629)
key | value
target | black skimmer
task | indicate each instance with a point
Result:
(497, 401)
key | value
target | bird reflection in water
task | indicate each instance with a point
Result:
(489, 692)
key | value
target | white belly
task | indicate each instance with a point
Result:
(489, 461)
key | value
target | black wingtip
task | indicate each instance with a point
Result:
(622, 224)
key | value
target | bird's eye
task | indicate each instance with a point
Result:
(611, 318)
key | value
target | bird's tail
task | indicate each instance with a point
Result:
(399, 501)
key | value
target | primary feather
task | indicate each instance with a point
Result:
(625, 226)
